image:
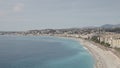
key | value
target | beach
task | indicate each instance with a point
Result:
(103, 58)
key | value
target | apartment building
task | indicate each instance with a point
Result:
(111, 38)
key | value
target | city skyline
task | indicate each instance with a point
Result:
(19, 15)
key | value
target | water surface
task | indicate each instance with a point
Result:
(42, 52)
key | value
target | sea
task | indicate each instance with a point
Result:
(43, 52)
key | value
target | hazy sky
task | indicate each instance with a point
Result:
(39, 14)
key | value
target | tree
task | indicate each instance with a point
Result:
(95, 38)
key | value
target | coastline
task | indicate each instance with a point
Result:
(99, 62)
(103, 58)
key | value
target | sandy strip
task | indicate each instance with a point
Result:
(103, 58)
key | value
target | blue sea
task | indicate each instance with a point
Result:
(43, 52)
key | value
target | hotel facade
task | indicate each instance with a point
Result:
(111, 38)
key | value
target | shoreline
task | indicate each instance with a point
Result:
(103, 58)
(99, 62)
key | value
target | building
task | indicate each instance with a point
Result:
(111, 38)
(87, 36)
(115, 42)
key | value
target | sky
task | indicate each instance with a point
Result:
(21, 15)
